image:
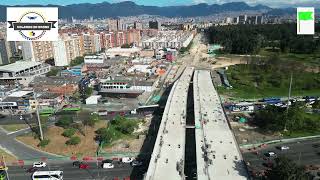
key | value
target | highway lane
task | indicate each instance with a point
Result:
(70, 172)
(302, 152)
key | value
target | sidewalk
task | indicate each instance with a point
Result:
(247, 146)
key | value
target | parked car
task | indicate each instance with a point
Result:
(107, 161)
(83, 166)
(76, 163)
(127, 159)
(271, 154)
(135, 163)
(39, 164)
(284, 148)
(107, 166)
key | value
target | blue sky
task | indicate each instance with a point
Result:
(272, 3)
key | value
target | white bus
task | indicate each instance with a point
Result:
(47, 175)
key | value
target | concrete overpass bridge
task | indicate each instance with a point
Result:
(216, 150)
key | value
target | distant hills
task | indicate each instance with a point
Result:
(128, 8)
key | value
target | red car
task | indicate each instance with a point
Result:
(84, 166)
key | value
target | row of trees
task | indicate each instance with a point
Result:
(275, 119)
(248, 39)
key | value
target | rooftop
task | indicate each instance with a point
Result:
(20, 93)
(19, 66)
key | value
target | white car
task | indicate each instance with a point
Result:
(107, 166)
(127, 160)
(39, 164)
(284, 148)
(271, 154)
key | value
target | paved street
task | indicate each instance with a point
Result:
(20, 150)
(302, 152)
(71, 173)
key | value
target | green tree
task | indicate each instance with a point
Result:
(44, 143)
(65, 121)
(91, 121)
(69, 132)
(53, 72)
(286, 169)
(73, 140)
(77, 61)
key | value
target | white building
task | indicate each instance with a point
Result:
(22, 71)
(96, 59)
(60, 53)
(138, 68)
(118, 51)
(93, 99)
(169, 39)
(65, 50)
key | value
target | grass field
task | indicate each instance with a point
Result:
(307, 59)
(254, 81)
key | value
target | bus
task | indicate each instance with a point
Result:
(47, 175)
(46, 112)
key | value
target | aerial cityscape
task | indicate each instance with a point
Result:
(159, 90)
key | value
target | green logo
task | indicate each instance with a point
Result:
(305, 16)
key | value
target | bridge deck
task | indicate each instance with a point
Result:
(167, 160)
(218, 156)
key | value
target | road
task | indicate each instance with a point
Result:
(302, 152)
(70, 173)
(19, 149)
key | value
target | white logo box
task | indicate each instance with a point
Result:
(32, 24)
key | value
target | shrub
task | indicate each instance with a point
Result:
(73, 140)
(64, 122)
(44, 143)
(69, 132)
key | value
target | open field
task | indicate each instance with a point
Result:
(253, 81)
(57, 145)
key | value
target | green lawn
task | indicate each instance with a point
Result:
(307, 59)
(255, 81)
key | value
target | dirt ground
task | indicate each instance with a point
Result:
(250, 135)
(87, 146)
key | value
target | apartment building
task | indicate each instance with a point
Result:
(119, 38)
(91, 43)
(66, 49)
(169, 39)
(37, 50)
(4, 53)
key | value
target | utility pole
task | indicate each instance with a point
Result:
(38, 116)
(289, 94)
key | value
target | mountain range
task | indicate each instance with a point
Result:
(128, 8)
